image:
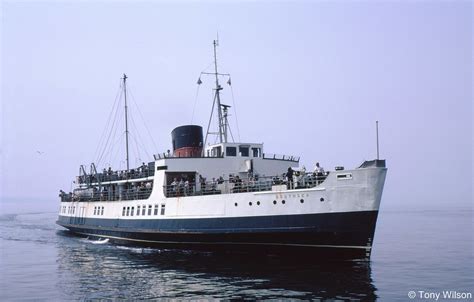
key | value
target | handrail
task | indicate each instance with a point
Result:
(115, 175)
(216, 186)
(237, 185)
(264, 156)
(281, 157)
(94, 195)
(172, 156)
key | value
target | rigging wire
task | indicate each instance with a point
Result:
(113, 134)
(111, 131)
(120, 140)
(210, 118)
(235, 112)
(138, 136)
(143, 119)
(195, 102)
(197, 92)
(231, 135)
(102, 137)
(136, 147)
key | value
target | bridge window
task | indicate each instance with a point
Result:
(102, 212)
(128, 211)
(132, 211)
(256, 152)
(123, 211)
(143, 210)
(149, 210)
(244, 151)
(156, 210)
(216, 151)
(138, 210)
(95, 209)
(231, 151)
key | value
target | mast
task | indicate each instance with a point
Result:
(377, 136)
(126, 117)
(222, 134)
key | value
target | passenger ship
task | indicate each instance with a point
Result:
(228, 196)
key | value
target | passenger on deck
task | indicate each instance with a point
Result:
(62, 194)
(318, 170)
(289, 177)
(181, 186)
(302, 178)
(252, 184)
(202, 181)
(174, 186)
(238, 184)
(186, 187)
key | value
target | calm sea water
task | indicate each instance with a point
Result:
(414, 250)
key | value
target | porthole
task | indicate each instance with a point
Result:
(283, 201)
(302, 200)
(321, 199)
(258, 203)
(274, 202)
(235, 204)
(250, 203)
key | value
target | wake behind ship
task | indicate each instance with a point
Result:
(228, 196)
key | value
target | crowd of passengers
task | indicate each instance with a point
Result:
(134, 191)
(110, 175)
(185, 186)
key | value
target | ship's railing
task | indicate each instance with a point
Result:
(95, 195)
(281, 157)
(237, 185)
(109, 175)
(170, 155)
(265, 156)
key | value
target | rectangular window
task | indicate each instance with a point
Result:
(156, 210)
(138, 210)
(149, 210)
(346, 176)
(95, 209)
(102, 212)
(231, 151)
(128, 211)
(123, 211)
(132, 211)
(216, 151)
(162, 209)
(144, 210)
(256, 152)
(244, 151)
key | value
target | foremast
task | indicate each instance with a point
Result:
(222, 109)
(126, 119)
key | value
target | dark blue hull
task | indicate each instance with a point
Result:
(335, 235)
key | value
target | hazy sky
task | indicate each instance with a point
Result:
(309, 78)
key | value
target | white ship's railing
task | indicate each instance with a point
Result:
(221, 186)
(281, 157)
(170, 155)
(106, 195)
(115, 175)
(264, 156)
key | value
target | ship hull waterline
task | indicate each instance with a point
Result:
(344, 236)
